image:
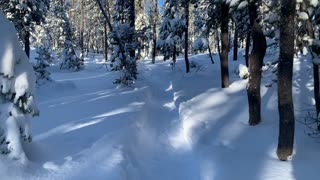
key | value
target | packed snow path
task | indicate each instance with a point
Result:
(170, 125)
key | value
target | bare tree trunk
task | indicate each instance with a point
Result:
(174, 55)
(235, 43)
(218, 43)
(210, 53)
(225, 45)
(285, 104)
(105, 42)
(27, 43)
(186, 39)
(154, 31)
(82, 30)
(255, 64)
(132, 25)
(248, 40)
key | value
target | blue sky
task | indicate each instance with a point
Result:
(161, 3)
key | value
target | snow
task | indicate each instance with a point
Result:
(243, 71)
(17, 81)
(200, 43)
(234, 3)
(169, 125)
(314, 3)
(243, 5)
(8, 47)
(303, 16)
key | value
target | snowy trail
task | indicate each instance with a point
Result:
(171, 125)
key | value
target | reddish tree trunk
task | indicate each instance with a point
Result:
(255, 64)
(224, 45)
(285, 103)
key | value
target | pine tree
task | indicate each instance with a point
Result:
(64, 36)
(44, 58)
(17, 95)
(171, 31)
(123, 37)
(25, 15)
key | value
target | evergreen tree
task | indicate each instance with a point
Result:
(171, 31)
(17, 95)
(123, 38)
(25, 15)
(63, 35)
(44, 58)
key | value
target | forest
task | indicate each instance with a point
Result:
(159, 89)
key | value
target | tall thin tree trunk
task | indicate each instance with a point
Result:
(174, 55)
(154, 31)
(255, 64)
(248, 40)
(105, 42)
(186, 40)
(316, 84)
(27, 43)
(285, 103)
(225, 45)
(210, 53)
(235, 43)
(218, 43)
(82, 28)
(132, 24)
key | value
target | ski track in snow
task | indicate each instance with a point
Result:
(170, 125)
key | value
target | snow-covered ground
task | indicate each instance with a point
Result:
(169, 125)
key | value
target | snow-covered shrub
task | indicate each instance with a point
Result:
(17, 80)
(43, 59)
(200, 44)
(243, 71)
(69, 57)
(62, 34)
(123, 38)
(171, 30)
(44, 52)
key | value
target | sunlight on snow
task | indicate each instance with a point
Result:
(170, 105)
(170, 87)
(82, 125)
(133, 107)
(84, 78)
(275, 170)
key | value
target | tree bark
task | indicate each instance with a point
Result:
(186, 39)
(285, 103)
(174, 55)
(27, 43)
(154, 31)
(82, 28)
(225, 45)
(235, 43)
(218, 43)
(132, 25)
(105, 42)
(255, 64)
(210, 53)
(248, 40)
